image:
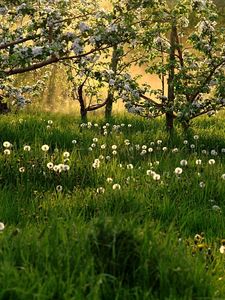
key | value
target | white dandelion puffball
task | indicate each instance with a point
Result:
(130, 166)
(45, 148)
(109, 180)
(26, 148)
(7, 144)
(183, 162)
(156, 177)
(7, 152)
(59, 188)
(222, 249)
(66, 154)
(116, 186)
(50, 165)
(178, 171)
(100, 190)
(212, 161)
(2, 226)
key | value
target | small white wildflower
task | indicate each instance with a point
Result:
(45, 148)
(59, 188)
(103, 146)
(202, 184)
(7, 144)
(130, 166)
(74, 142)
(108, 157)
(93, 145)
(2, 226)
(143, 152)
(198, 162)
(211, 161)
(178, 171)
(116, 186)
(144, 147)
(159, 142)
(129, 125)
(185, 142)
(50, 122)
(223, 150)
(109, 180)
(204, 151)
(114, 152)
(56, 168)
(183, 162)
(95, 140)
(7, 152)
(21, 169)
(66, 154)
(150, 173)
(222, 249)
(216, 208)
(192, 146)
(223, 176)
(213, 152)
(175, 150)
(196, 137)
(50, 165)
(100, 190)
(66, 168)
(164, 149)
(156, 177)
(150, 150)
(26, 148)
(114, 147)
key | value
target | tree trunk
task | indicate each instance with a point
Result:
(171, 95)
(83, 110)
(110, 96)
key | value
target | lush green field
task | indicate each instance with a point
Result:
(111, 211)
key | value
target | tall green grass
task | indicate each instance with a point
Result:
(74, 235)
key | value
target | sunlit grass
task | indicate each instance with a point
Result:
(111, 211)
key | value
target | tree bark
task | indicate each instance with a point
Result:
(171, 95)
(83, 110)
(110, 96)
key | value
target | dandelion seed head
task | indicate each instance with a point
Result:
(45, 148)
(178, 171)
(50, 165)
(183, 162)
(66, 154)
(7, 144)
(21, 169)
(2, 226)
(130, 166)
(59, 188)
(116, 186)
(100, 190)
(26, 148)
(109, 180)
(202, 184)
(212, 161)
(7, 152)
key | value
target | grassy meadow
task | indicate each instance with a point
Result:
(111, 210)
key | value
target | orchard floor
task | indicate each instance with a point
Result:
(115, 210)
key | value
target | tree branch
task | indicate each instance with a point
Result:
(19, 41)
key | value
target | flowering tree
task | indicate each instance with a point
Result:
(190, 63)
(35, 34)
